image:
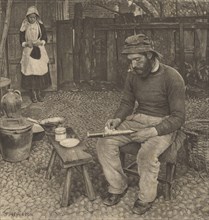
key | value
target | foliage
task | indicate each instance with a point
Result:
(197, 72)
(136, 4)
(157, 8)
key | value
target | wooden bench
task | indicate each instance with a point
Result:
(70, 158)
(169, 157)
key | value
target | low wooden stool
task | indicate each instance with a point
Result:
(169, 157)
(70, 158)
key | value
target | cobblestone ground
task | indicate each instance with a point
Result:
(26, 194)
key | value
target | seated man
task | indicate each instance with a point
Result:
(160, 92)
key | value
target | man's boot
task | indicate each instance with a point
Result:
(33, 96)
(39, 96)
(140, 208)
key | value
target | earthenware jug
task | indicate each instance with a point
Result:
(11, 103)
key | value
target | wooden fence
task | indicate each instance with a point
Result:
(95, 45)
(90, 48)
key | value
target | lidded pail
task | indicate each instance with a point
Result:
(15, 139)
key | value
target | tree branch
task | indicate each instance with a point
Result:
(201, 7)
(147, 7)
(195, 5)
(109, 9)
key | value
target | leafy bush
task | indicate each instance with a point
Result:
(197, 73)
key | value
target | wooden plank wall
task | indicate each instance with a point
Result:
(103, 41)
(87, 59)
(90, 48)
(65, 51)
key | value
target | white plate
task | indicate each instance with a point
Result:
(69, 142)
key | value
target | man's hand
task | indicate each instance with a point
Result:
(113, 123)
(144, 134)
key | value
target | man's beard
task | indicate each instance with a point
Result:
(144, 71)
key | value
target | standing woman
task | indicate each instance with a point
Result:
(35, 61)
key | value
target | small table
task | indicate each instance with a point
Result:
(71, 157)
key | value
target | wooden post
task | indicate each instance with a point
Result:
(161, 9)
(200, 49)
(5, 32)
(111, 57)
(86, 55)
(1, 16)
(1, 28)
(181, 51)
(200, 42)
(176, 3)
(78, 10)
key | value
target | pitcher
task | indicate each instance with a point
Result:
(11, 103)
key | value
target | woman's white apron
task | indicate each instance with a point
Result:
(29, 65)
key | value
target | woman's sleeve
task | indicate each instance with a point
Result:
(22, 38)
(44, 35)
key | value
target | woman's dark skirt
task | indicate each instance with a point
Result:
(36, 82)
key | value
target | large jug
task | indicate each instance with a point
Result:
(11, 103)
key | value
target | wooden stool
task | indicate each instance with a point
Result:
(169, 157)
(70, 158)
